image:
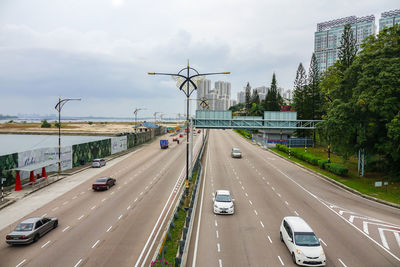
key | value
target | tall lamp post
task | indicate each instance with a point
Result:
(189, 81)
(155, 116)
(58, 107)
(136, 112)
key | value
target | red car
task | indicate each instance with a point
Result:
(175, 139)
(181, 135)
(103, 183)
(198, 131)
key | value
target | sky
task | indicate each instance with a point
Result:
(101, 50)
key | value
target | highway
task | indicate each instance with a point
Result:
(353, 231)
(118, 227)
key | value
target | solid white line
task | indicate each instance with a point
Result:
(280, 260)
(342, 263)
(217, 233)
(255, 212)
(220, 262)
(320, 240)
(81, 217)
(383, 238)
(251, 203)
(269, 238)
(66, 228)
(92, 208)
(200, 212)
(78, 263)
(262, 224)
(128, 207)
(120, 216)
(155, 225)
(22, 262)
(95, 243)
(219, 248)
(109, 228)
(45, 244)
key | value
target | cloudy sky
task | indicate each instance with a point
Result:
(101, 50)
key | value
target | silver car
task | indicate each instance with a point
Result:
(30, 230)
(98, 163)
(236, 153)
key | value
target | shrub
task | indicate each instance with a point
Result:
(337, 169)
(56, 124)
(45, 124)
(322, 162)
(90, 122)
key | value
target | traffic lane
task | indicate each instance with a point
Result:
(61, 224)
(242, 240)
(324, 214)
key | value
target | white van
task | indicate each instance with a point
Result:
(301, 241)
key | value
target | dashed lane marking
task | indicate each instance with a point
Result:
(66, 228)
(109, 228)
(216, 232)
(251, 203)
(281, 260)
(65, 203)
(262, 224)
(320, 240)
(55, 209)
(141, 193)
(255, 212)
(104, 199)
(286, 203)
(128, 207)
(22, 262)
(218, 247)
(295, 212)
(92, 208)
(81, 216)
(44, 215)
(120, 216)
(269, 238)
(95, 243)
(77, 264)
(216, 224)
(342, 262)
(220, 262)
(45, 244)
(135, 200)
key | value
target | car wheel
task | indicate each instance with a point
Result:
(108, 187)
(36, 238)
(280, 236)
(294, 258)
(55, 224)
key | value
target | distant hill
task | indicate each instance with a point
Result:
(4, 117)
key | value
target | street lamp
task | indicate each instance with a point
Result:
(183, 80)
(155, 116)
(136, 112)
(58, 107)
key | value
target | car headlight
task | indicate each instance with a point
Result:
(322, 252)
(298, 251)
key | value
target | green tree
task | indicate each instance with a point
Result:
(248, 97)
(273, 100)
(255, 98)
(348, 47)
(45, 124)
(299, 92)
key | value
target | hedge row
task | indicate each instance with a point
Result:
(322, 163)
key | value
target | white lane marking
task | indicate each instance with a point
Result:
(45, 244)
(128, 207)
(135, 200)
(240, 182)
(255, 212)
(269, 238)
(92, 208)
(342, 263)
(383, 238)
(251, 203)
(120, 216)
(65, 203)
(22, 262)
(125, 182)
(55, 209)
(74, 197)
(295, 212)
(146, 187)
(365, 227)
(82, 193)
(220, 262)
(242, 188)
(95, 243)
(281, 260)
(218, 247)
(119, 188)
(66, 228)
(141, 193)
(217, 233)
(397, 236)
(267, 182)
(273, 188)
(320, 240)
(286, 203)
(264, 178)
(246, 194)
(262, 224)
(216, 224)
(89, 189)
(279, 195)
(109, 228)
(44, 215)
(79, 262)
(112, 192)
(81, 216)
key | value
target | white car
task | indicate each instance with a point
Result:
(236, 153)
(301, 242)
(98, 163)
(223, 203)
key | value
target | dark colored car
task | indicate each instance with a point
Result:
(30, 230)
(103, 183)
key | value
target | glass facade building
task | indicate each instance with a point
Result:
(389, 18)
(329, 34)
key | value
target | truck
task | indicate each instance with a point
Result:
(163, 144)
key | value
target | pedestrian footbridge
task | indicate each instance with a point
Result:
(215, 119)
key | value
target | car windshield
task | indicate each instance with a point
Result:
(96, 160)
(101, 180)
(24, 227)
(306, 239)
(223, 198)
(236, 150)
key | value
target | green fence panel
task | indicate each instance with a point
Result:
(86, 152)
(8, 162)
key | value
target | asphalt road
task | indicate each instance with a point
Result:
(118, 227)
(353, 231)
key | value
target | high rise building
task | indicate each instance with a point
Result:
(262, 92)
(389, 18)
(241, 97)
(203, 88)
(218, 98)
(329, 34)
